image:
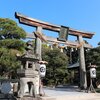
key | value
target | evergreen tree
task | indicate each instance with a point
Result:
(11, 43)
(56, 67)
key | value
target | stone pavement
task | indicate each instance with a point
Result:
(75, 97)
(68, 94)
(65, 93)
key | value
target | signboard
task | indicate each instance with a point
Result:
(42, 70)
(63, 35)
(93, 72)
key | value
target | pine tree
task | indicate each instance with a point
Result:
(56, 67)
(11, 43)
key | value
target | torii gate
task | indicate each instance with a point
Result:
(40, 25)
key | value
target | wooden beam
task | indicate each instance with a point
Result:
(54, 40)
(82, 33)
(35, 23)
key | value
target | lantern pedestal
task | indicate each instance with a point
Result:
(92, 76)
(91, 88)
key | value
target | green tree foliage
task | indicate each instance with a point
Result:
(93, 56)
(99, 43)
(72, 54)
(56, 67)
(11, 43)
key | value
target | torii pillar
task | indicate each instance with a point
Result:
(82, 67)
(38, 43)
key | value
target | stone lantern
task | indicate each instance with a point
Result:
(92, 77)
(29, 72)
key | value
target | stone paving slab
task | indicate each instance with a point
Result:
(75, 97)
(85, 96)
(68, 94)
(58, 94)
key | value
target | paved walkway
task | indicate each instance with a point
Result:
(68, 93)
(62, 91)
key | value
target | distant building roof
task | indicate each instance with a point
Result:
(75, 65)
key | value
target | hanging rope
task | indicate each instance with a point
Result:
(81, 43)
(41, 36)
(55, 44)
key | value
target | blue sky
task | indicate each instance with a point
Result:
(78, 14)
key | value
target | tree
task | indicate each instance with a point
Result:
(11, 43)
(72, 54)
(56, 67)
(99, 43)
(93, 56)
